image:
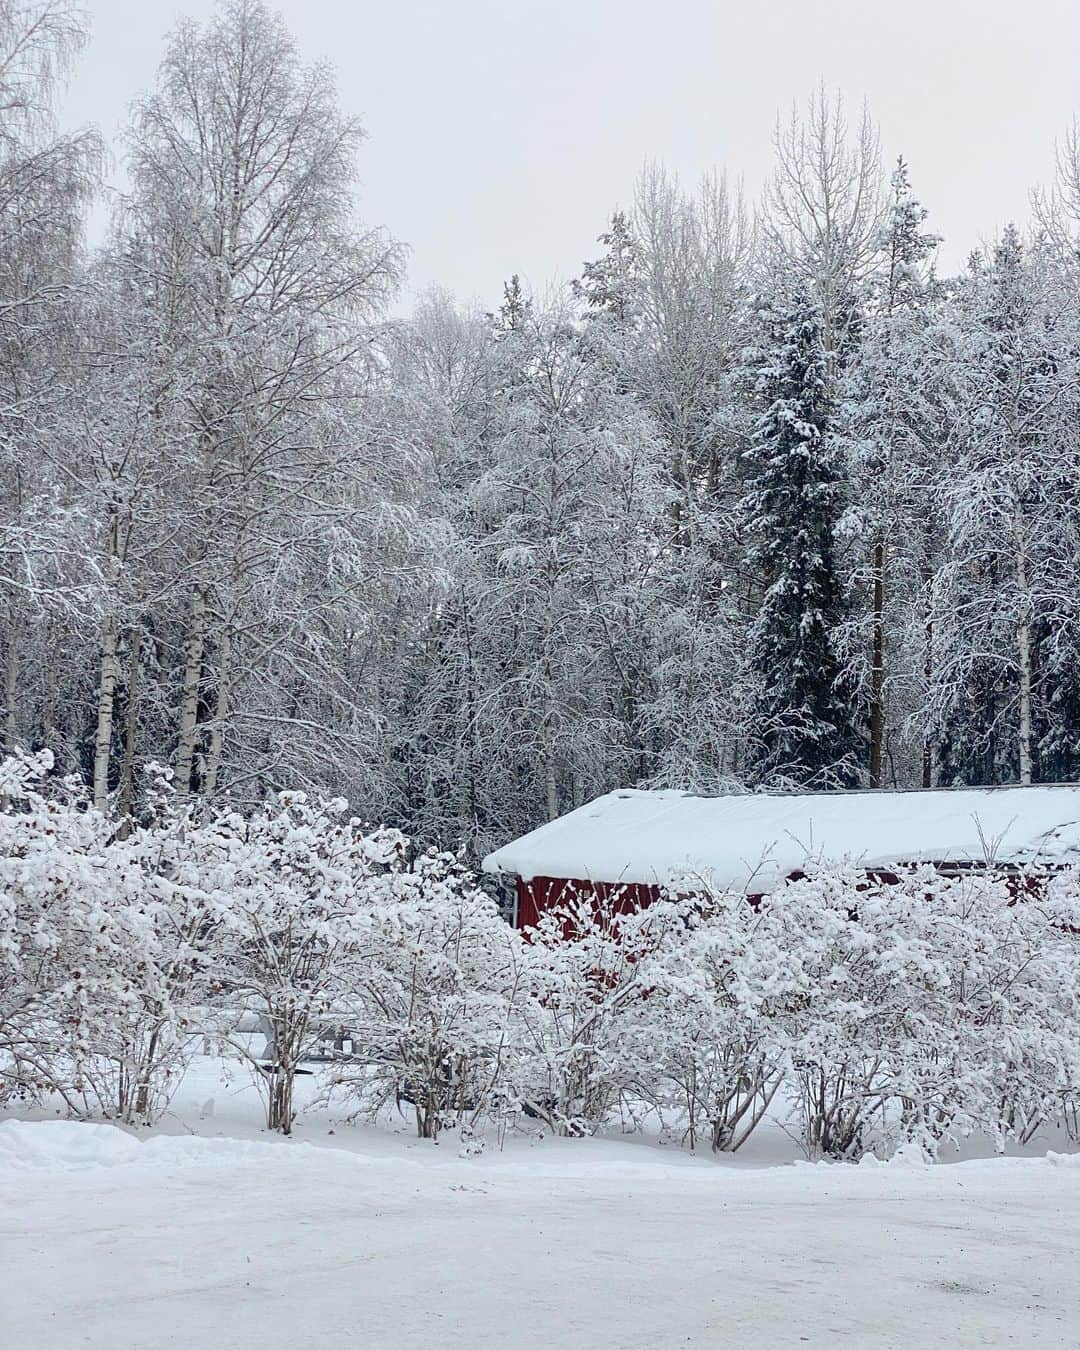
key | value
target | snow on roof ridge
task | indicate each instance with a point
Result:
(649, 835)
(830, 792)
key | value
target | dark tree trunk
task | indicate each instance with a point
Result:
(877, 671)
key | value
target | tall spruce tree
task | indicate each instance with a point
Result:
(805, 709)
(890, 394)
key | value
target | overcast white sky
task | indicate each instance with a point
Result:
(503, 132)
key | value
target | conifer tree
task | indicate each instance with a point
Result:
(609, 286)
(804, 711)
(516, 308)
(892, 421)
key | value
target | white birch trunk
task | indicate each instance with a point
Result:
(48, 711)
(221, 712)
(127, 772)
(1023, 642)
(11, 684)
(551, 791)
(1023, 647)
(103, 734)
(189, 698)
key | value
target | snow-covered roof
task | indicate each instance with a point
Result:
(755, 840)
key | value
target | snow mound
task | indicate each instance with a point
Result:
(63, 1146)
(79, 1146)
(178, 1151)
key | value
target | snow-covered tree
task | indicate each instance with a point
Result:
(893, 421)
(1004, 589)
(824, 211)
(540, 647)
(243, 167)
(806, 720)
(47, 578)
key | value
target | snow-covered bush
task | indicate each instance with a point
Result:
(715, 992)
(992, 1041)
(289, 890)
(846, 987)
(581, 1006)
(60, 957)
(97, 950)
(436, 996)
(918, 1007)
(163, 924)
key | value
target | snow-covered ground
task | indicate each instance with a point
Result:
(352, 1237)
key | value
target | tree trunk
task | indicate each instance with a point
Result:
(106, 696)
(551, 791)
(551, 786)
(221, 712)
(1023, 648)
(127, 772)
(48, 708)
(1023, 644)
(928, 674)
(877, 670)
(279, 1114)
(11, 685)
(189, 699)
(142, 1095)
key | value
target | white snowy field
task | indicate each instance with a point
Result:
(364, 1238)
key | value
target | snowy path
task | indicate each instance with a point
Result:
(105, 1241)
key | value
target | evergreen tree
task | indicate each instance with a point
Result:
(890, 392)
(804, 710)
(609, 286)
(516, 308)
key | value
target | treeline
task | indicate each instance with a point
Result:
(763, 500)
(862, 1016)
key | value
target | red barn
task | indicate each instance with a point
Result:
(636, 842)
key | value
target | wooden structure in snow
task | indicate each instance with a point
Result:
(634, 843)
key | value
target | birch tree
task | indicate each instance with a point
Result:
(824, 209)
(243, 168)
(45, 181)
(1012, 519)
(670, 292)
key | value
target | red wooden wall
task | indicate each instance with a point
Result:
(542, 893)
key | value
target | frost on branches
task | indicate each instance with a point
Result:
(434, 998)
(921, 1010)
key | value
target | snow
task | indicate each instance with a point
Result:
(350, 1236)
(195, 1242)
(754, 841)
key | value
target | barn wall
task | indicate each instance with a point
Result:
(542, 893)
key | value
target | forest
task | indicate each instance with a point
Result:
(761, 500)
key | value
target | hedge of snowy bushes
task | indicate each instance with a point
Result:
(862, 1016)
